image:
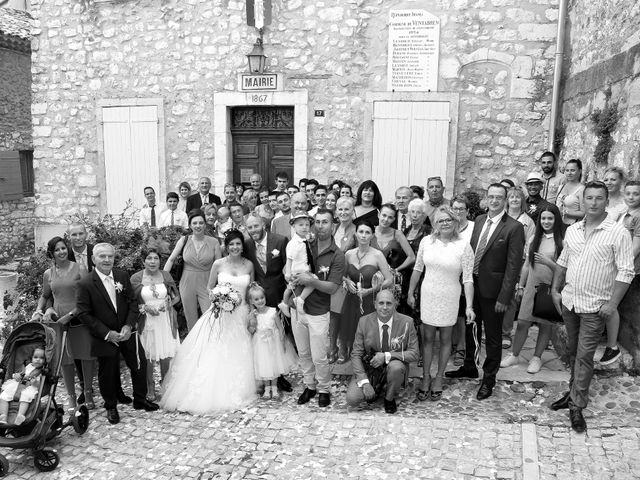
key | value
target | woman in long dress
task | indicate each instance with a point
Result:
(443, 256)
(213, 368)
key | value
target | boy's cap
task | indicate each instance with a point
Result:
(298, 216)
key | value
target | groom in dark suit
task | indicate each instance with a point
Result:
(385, 344)
(107, 305)
(268, 253)
(498, 243)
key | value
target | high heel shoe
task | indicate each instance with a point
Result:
(333, 355)
(87, 398)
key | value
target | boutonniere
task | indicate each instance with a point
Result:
(275, 253)
(397, 343)
(533, 207)
(118, 287)
(324, 270)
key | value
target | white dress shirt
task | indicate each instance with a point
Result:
(387, 355)
(180, 219)
(110, 286)
(82, 258)
(145, 213)
(494, 224)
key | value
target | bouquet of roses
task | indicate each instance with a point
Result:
(224, 298)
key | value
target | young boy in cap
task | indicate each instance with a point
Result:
(298, 261)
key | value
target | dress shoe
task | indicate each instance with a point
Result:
(145, 405)
(324, 399)
(113, 416)
(284, 385)
(462, 372)
(485, 391)
(577, 420)
(81, 398)
(561, 403)
(390, 406)
(307, 395)
(124, 399)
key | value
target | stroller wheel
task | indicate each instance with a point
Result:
(46, 459)
(80, 420)
(4, 466)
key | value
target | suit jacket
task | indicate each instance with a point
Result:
(368, 341)
(281, 226)
(90, 265)
(195, 201)
(501, 261)
(96, 311)
(272, 280)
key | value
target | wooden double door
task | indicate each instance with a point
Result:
(262, 143)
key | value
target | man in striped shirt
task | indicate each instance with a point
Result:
(597, 265)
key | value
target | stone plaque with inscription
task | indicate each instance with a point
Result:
(413, 51)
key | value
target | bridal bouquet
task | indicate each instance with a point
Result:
(224, 298)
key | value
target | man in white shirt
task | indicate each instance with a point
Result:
(80, 252)
(385, 344)
(172, 217)
(150, 212)
(320, 196)
(403, 197)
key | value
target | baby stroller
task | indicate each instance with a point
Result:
(44, 418)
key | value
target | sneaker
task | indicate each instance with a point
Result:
(610, 355)
(506, 342)
(509, 361)
(535, 364)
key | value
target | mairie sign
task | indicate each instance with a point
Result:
(265, 82)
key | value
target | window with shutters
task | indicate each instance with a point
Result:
(16, 174)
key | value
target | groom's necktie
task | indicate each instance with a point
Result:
(262, 257)
(385, 338)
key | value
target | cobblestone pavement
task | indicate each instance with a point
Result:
(456, 438)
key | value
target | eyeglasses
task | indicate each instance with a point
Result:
(444, 221)
(458, 209)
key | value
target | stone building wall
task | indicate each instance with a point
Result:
(603, 66)
(16, 216)
(497, 54)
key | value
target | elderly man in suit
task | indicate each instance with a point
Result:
(202, 197)
(107, 305)
(498, 243)
(267, 252)
(385, 344)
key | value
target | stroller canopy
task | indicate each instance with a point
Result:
(23, 339)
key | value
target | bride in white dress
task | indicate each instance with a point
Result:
(213, 368)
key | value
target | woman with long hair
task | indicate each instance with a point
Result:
(569, 199)
(542, 251)
(198, 251)
(517, 209)
(614, 179)
(59, 285)
(368, 202)
(444, 256)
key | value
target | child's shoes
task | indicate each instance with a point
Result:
(19, 419)
(284, 308)
(275, 393)
(3, 419)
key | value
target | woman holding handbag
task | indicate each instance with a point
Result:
(158, 328)
(535, 277)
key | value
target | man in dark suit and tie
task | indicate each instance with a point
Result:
(267, 252)
(80, 252)
(107, 305)
(385, 344)
(498, 243)
(197, 200)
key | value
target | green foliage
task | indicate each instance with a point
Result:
(605, 122)
(120, 230)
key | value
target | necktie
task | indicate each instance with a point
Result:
(403, 225)
(385, 338)
(111, 290)
(153, 216)
(482, 244)
(309, 256)
(262, 257)
(172, 218)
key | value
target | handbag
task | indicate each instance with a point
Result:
(543, 306)
(178, 264)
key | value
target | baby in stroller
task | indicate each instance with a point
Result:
(24, 386)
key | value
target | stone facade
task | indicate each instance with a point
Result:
(603, 68)
(16, 216)
(497, 54)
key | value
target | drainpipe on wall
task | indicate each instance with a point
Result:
(557, 73)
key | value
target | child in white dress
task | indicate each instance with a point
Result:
(273, 352)
(297, 262)
(30, 378)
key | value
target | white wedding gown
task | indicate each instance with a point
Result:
(213, 369)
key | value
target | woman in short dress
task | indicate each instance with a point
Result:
(59, 286)
(199, 251)
(157, 294)
(443, 256)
